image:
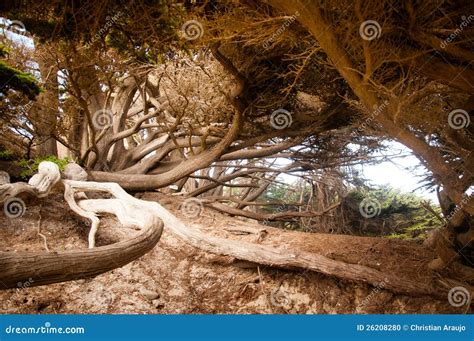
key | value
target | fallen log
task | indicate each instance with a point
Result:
(293, 259)
(40, 268)
(55, 267)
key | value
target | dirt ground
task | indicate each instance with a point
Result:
(175, 278)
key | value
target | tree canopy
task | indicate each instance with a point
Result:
(218, 99)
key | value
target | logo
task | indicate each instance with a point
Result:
(458, 119)
(14, 207)
(459, 296)
(192, 30)
(281, 119)
(370, 30)
(191, 208)
(369, 208)
(102, 118)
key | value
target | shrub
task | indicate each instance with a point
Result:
(6, 155)
(31, 166)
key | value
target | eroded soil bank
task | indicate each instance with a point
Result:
(176, 278)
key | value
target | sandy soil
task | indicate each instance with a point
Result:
(175, 278)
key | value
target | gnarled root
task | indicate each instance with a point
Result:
(46, 268)
(52, 267)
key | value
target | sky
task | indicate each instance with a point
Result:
(18, 38)
(399, 173)
(403, 173)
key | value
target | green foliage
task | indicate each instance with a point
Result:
(398, 215)
(283, 197)
(279, 193)
(25, 82)
(31, 166)
(3, 50)
(391, 200)
(12, 78)
(6, 155)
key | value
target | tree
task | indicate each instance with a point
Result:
(14, 79)
(148, 105)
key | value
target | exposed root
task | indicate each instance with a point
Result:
(147, 215)
(45, 241)
(53, 267)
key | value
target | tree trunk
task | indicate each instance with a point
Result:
(286, 258)
(202, 160)
(48, 102)
(60, 266)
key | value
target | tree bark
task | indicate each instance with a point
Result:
(312, 18)
(53, 267)
(291, 259)
(47, 105)
(60, 266)
(202, 160)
